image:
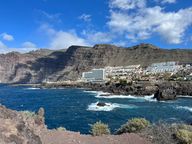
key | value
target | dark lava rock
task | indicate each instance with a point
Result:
(101, 104)
(165, 94)
(104, 94)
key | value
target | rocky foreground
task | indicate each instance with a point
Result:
(26, 128)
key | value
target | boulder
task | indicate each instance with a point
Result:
(101, 104)
(40, 119)
(165, 94)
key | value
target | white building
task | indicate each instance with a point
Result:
(122, 70)
(169, 67)
(95, 75)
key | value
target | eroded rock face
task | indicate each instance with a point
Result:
(16, 127)
(165, 94)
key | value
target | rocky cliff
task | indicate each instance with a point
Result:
(34, 67)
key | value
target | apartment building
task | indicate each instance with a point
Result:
(95, 75)
(164, 67)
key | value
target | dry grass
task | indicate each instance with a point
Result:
(133, 125)
(99, 129)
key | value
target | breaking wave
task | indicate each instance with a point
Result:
(100, 94)
(180, 96)
(108, 107)
(32, 88)
(185, 108)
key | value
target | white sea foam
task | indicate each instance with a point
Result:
(32, 88)
(116, 96)
(86, 91)
(149, 98)
(185, 108)
(100, 94)
(97, 93)
(145, 98)
(108, 107)
(180, 96)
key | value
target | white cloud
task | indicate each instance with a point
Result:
(85, 17)
(65, 39)
(28, 44)
(121, 43)
(143, 23)
(127, 4)
(52, 18)
(5, 49)
(168, 1)
(62, 39)
(7, 37)
(2, 45)
(97, 37)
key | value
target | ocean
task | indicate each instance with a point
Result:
(76, 109)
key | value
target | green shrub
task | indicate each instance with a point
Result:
(99, 129)
(61, 129)
(38, 117)
(134, 125)
(185, 127)
(29, 114)
(123, 82)
(184, 136)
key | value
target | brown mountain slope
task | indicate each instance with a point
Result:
(69, 64)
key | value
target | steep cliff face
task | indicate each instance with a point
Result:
(36, 67)
(14, 66)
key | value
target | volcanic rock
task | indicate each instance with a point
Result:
(165, 94)
(101, 104)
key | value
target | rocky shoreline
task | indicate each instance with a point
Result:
(23, 127)
(164, 90)
(26, 128)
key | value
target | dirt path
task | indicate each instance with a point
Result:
(62, 137)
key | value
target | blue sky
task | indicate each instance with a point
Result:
(31, 24)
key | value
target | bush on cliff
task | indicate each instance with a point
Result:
(29, 114)
(99, 129)
(38, 117)
(184, 136)
(133, 125)
(61, 129)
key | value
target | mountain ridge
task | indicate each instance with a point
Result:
(36, 67)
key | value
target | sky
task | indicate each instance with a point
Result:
(27, 25)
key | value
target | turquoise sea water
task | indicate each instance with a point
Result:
(75, 109)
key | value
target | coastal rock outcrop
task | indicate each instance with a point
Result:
(101, 104)
(165, 94)
(137, 88)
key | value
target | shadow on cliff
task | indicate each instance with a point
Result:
(53, 63)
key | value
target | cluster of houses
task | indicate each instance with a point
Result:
(170, 67)
(127, 72)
